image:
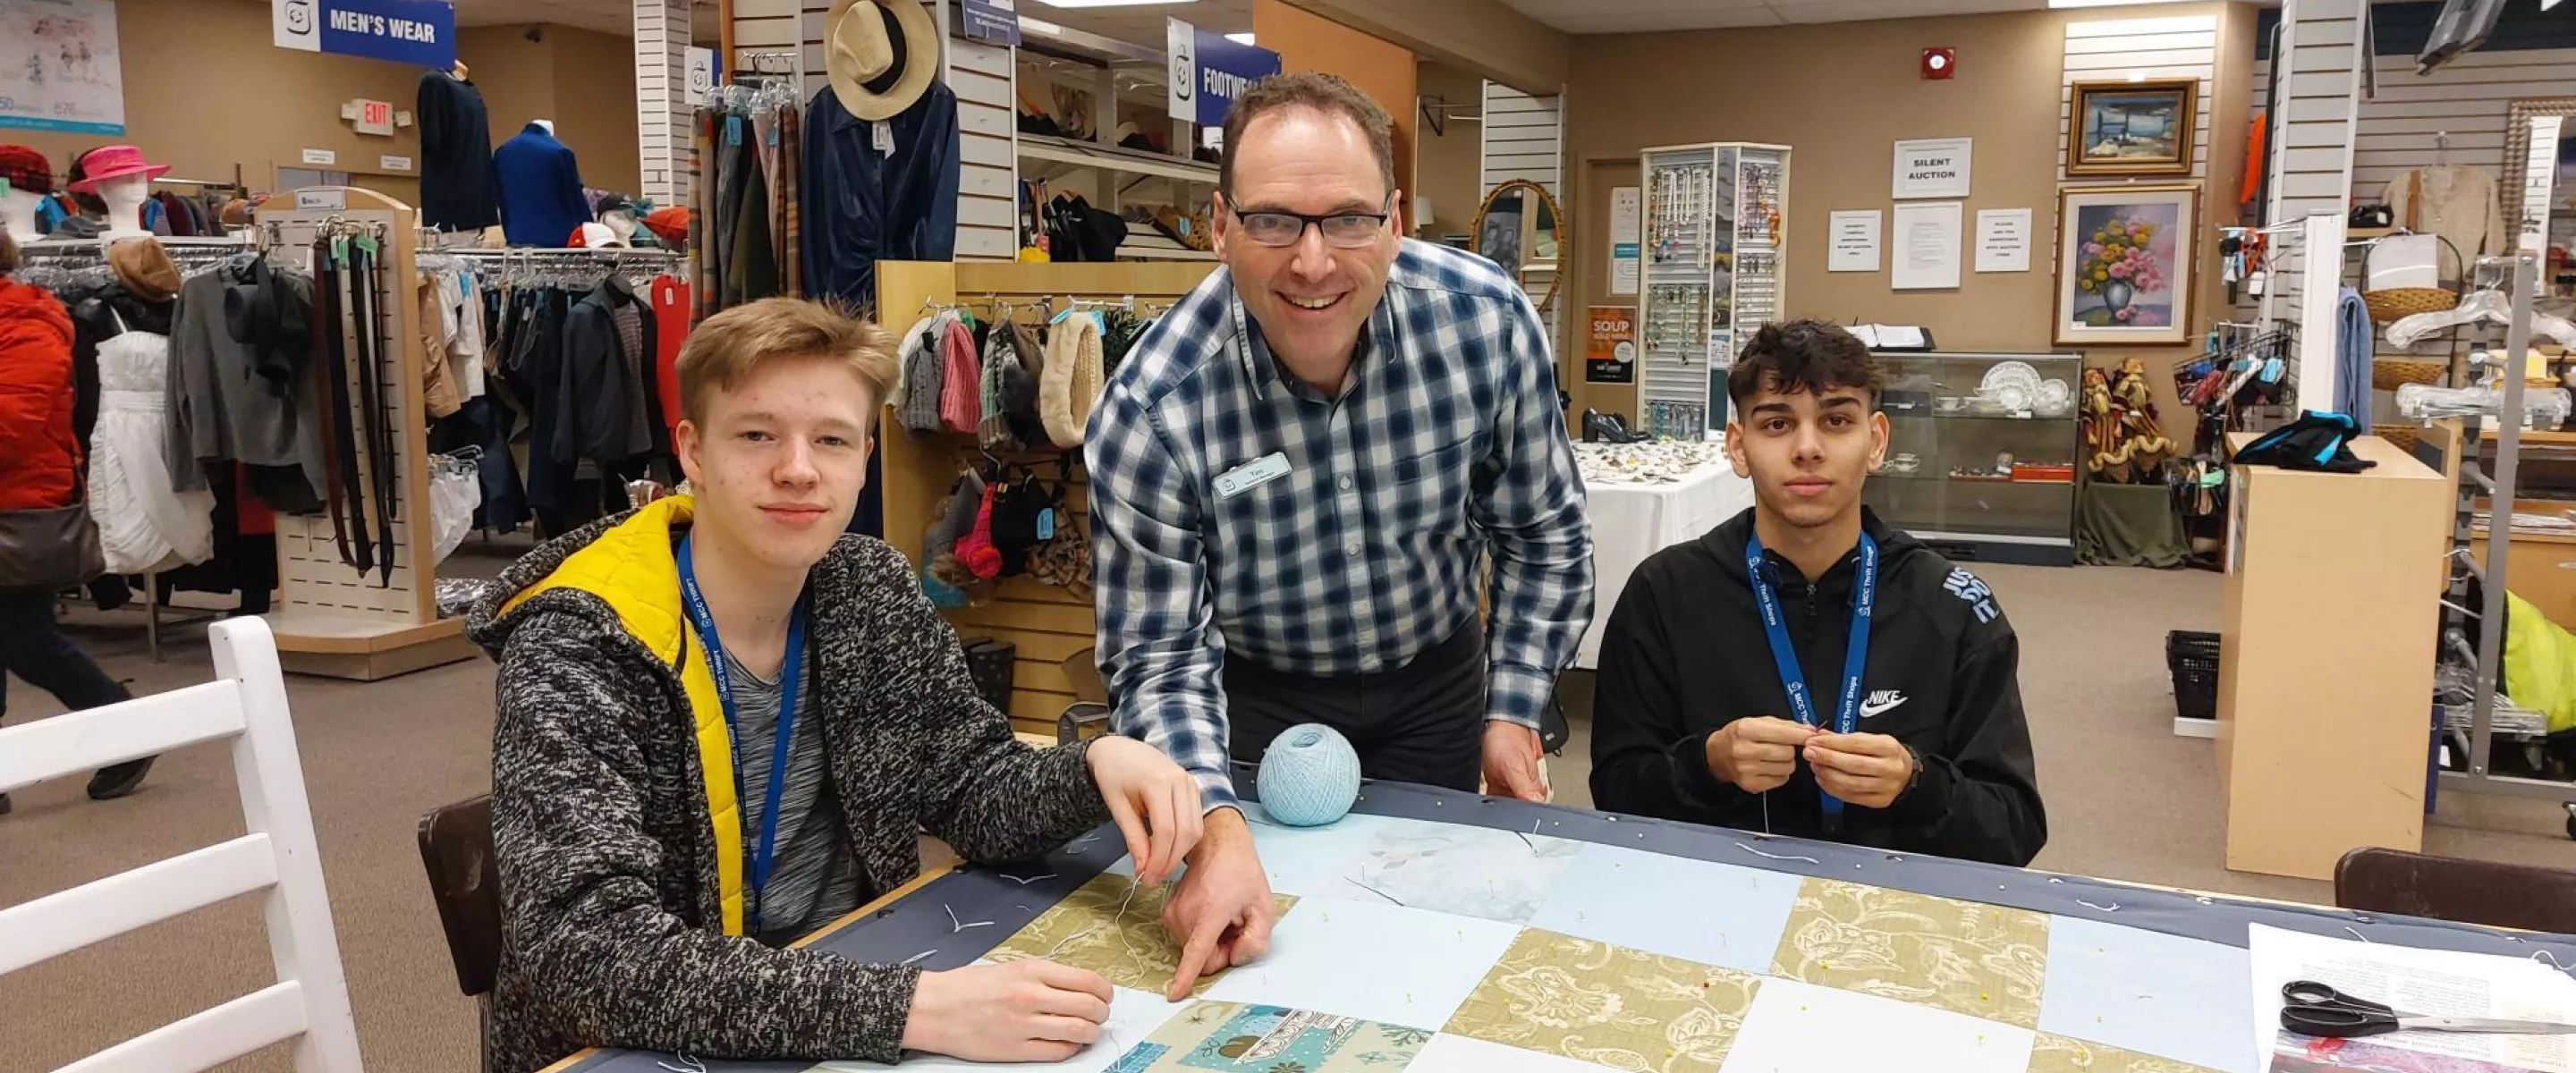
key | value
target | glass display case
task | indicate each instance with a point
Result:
(1982, 453)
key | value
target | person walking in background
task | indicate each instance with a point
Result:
(40, 470)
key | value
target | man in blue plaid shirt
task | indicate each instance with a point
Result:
(1296, 478)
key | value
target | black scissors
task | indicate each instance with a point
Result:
(2314, 1009)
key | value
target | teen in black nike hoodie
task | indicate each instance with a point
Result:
(1685, 654)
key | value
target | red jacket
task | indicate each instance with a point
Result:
(40, 458)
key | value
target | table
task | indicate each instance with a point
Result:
(1632, 520)
(1435, 931)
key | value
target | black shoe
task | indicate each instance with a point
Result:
(118, 780)
(4, 804)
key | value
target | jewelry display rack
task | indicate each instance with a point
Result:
(1714, 257)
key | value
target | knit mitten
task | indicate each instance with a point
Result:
(976, 549)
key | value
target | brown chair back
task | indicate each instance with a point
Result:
(465, 882)
(2493, 893)
(1084, 673)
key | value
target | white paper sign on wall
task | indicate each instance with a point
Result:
(1854, 241)
(324, 157)
(2003, 240)
(702, 75)
(394, 163)
(1932, 167)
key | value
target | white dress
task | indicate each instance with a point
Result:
(143, 525)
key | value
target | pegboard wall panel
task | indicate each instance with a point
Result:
(311, 571)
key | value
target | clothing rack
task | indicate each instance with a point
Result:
(563, 266)
(1045, 623)
(328, 619)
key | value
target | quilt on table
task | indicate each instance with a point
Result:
(1433, 932)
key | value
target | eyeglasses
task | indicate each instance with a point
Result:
(1341, 230)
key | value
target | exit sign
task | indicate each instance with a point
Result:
(376, 117)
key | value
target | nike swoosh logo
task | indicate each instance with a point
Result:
(1871, 710)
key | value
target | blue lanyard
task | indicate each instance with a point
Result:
(789, 680)
(1785, 656)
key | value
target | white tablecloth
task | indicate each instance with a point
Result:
(1631, 521)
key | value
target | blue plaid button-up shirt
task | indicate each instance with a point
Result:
(1447, 443)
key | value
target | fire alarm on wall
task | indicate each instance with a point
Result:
(1939, 62)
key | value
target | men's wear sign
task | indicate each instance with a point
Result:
(1610, 353)
(417, 33)
(1209, 72)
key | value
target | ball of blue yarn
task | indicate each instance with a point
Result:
(1309, 776)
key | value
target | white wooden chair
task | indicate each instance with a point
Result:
(246, 704)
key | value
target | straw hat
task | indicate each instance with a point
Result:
(882, 55)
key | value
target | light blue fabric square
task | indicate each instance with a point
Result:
(2148, 992)
(1714, 914)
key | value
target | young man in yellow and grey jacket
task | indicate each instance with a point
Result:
(665, 821)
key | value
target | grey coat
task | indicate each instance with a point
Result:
(220, 407)
(612, 924)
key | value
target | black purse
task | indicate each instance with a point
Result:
(992, 664)
(52, 549)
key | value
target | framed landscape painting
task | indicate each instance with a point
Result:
(2131, 128)
(2124, 265)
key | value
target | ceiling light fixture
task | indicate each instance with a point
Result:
(2106, 3)
(1112, 3)
(1240, 39)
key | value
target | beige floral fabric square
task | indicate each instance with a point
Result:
(1609, 1005)
(1981, 960)
(1113, 926)
(2062, 1054)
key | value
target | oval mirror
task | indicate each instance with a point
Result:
(1520, 228)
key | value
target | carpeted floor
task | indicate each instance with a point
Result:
(2127, 800)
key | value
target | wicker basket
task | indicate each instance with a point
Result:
(2387, 375)
(2402, 437)
(2398, 302)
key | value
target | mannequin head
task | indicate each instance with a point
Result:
(124, 198)
(25, 178)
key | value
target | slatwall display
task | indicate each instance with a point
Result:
(2310, 142)
(2159, 49)
(980, 75)
(1523, 137)
(662, 31)
(2398, 129)
(311, 575)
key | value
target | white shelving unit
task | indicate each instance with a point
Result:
(1109, 176)
(1715, 268)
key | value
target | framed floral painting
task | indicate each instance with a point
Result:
(2124, 265)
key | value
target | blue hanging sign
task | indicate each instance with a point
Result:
(1209, 72)
(418, 33)
(994, 21)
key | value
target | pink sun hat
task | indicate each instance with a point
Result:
(112, 162)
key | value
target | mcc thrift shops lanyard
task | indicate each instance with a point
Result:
(790, 679)
(1785, 656)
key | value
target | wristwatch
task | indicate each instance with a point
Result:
(1915, 775)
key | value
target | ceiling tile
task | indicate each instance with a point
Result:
(1632, 16)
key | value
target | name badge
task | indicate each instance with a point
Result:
(1251, 475)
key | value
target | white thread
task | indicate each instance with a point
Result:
(2551, 959)
(1025, 882)
(2114, 907)
(916, 958)
(2357, 935)
(1777, 856)
(687, 1065)
(1132, 888)
(954, 926)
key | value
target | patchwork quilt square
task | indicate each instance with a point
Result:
(1980, 960)
(2053, 1053)
(1716, 914)
(1447, 868)
(1384, 963)
(1608, 1005)
(1113, 926)
(1237, 1037)
(1803, 1028)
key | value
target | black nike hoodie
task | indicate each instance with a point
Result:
(1685, 654)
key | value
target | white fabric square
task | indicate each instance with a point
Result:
(1380, 963)
(1802, 1028)
(1133, 1015)
(1461, 1054)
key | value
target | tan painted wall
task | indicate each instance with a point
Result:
(1839, 94)
(1309, 42)
(1445, 166)
(206, 89)
(1485, 37)
(584, 81)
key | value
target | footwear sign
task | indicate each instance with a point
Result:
(1209, 71)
